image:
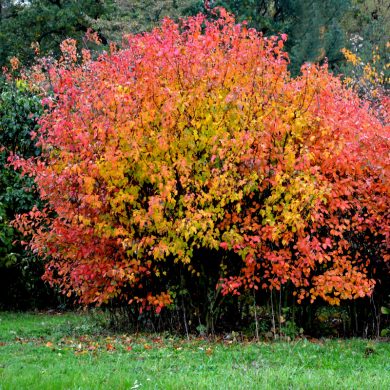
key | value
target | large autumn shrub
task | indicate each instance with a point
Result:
(194, 146)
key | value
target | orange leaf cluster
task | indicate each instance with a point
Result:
(195, 136)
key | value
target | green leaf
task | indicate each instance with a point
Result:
(385, 310)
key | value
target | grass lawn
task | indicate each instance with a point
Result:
(70, 351)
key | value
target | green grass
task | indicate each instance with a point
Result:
(69, 351)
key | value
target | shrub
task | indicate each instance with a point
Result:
(192, 154)
(20, 270)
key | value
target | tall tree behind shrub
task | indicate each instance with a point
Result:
(141, 15)
(314, 27)
(368, 44)
(46, 23)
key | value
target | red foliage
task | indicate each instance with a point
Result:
(196, 136)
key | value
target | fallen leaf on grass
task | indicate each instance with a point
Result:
(136, 385)
(49, 344)
(110, 347)
(77, 353)
(21, 340)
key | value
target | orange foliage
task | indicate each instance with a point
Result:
(195, 136)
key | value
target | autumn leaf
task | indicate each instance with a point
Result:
(110, 347)
(154, 154)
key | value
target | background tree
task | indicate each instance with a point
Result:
(46, 23)
(138, 16)
(314, 27)
(368, 32)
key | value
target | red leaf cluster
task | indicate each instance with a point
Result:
(195, 136)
